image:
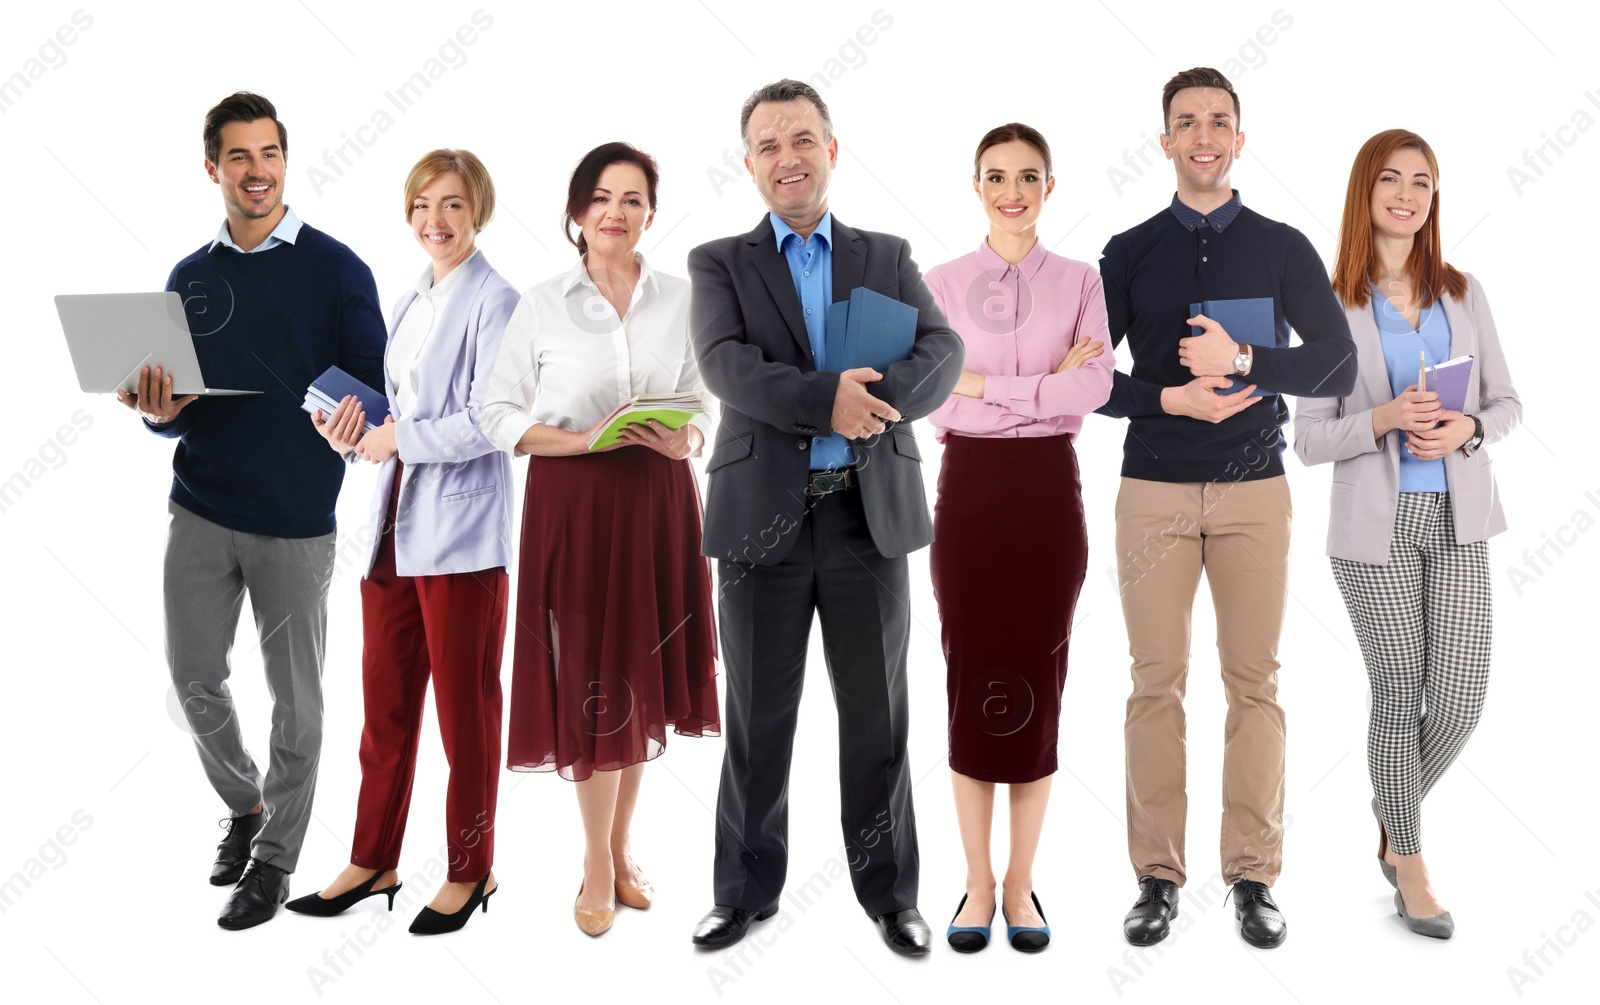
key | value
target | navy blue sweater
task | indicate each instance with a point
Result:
(1152, 273)
(270, 322)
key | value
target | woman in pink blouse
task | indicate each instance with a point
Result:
(1037, 361)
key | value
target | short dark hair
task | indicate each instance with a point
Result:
(1200, 76)
(240, 106)
(778, 93)
(1009, 133)
(586, 176)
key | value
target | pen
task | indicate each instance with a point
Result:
(1422, 371)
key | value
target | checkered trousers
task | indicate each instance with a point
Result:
(1424, 622)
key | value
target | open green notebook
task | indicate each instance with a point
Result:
(671, 410)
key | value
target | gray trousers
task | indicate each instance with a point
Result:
(207, 570)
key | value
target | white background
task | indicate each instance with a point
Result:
(103, 190)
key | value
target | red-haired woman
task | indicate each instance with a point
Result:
(1414, 501)
(614, 637)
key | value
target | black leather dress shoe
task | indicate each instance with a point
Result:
(1260, 922)
(234, 851)
(905, 932)
(1150, 918)
(723, 926)
(256, 897)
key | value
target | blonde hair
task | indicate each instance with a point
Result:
(480, 189)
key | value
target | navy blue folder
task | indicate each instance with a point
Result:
(878, 331)
(1247, 322)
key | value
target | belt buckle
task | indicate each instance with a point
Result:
(822, 483)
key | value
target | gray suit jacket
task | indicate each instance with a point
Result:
(1366, 474)
(750, 339)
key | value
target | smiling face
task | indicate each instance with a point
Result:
(1402, 197)
(619, 211)
(791, 158)
(441, 219)
(1202, 139)
(251, 168)
(1012, 186)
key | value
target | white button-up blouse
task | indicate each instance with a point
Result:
(567, 360)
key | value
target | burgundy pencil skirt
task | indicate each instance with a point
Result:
(1009, 554)
(614, 637)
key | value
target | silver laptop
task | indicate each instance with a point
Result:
(112, 335)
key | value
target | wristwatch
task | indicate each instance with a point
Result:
(1477, 437)
(1241, 362)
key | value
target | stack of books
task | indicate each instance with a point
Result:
(333, 386)
(671, 410)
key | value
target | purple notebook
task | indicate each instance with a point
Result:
(1449, 380)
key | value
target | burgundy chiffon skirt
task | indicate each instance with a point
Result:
(1010, 549)
(614, 638)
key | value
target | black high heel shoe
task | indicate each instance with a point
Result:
(431, 922)
(318, 906)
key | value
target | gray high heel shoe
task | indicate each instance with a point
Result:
(1438, 927)
(1390, 873)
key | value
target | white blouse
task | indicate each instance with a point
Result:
(566, 359)
(416, 330)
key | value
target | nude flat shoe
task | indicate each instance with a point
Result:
(636, 897)
(593, 922)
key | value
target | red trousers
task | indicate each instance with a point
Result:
(452, 627)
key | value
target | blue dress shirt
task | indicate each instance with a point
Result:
(285, 232)
(1400, 346)
(811, 267)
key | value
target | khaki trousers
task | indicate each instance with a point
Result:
(1238, 533)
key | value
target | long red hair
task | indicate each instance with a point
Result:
(1356, 267)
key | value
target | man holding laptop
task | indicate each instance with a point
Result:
(271, 304)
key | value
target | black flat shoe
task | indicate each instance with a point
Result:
(723, 926)
(905, 932)
(431, 922)
(1260, 922)
(968, 938)
(318, 906)
(1150, 918)
(234, 850)
(256, 897)
(1028, 939)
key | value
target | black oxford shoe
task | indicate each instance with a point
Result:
(1150, 918)
(234, 850)
(1260, 922)
(723, 926)
(256, 897)
(905, 932)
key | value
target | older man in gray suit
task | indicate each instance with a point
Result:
(815, 500)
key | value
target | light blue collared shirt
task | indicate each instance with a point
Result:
(811, 266)
(285, 232)
(1401, 344)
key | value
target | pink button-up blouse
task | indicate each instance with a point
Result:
(1018, 321)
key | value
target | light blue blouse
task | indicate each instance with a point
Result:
(1400, 346)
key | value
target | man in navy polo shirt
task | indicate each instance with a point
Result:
(271, 304)
(1203, 489)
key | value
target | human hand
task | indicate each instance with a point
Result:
(1209, 354)
(153, 397)
(971, 385)
(1452, 433)
(379, 445)
(674, 443)
(342, 429)
(1411, 410)
(1082, 351)
(1199, 400)
(856, 413)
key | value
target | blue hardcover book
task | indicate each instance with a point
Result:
(331, 388)
(833, 344)
(1248, 321)
(881, 331)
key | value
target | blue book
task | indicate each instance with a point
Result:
(1247, 322)
(331, 388)
(880, 331)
